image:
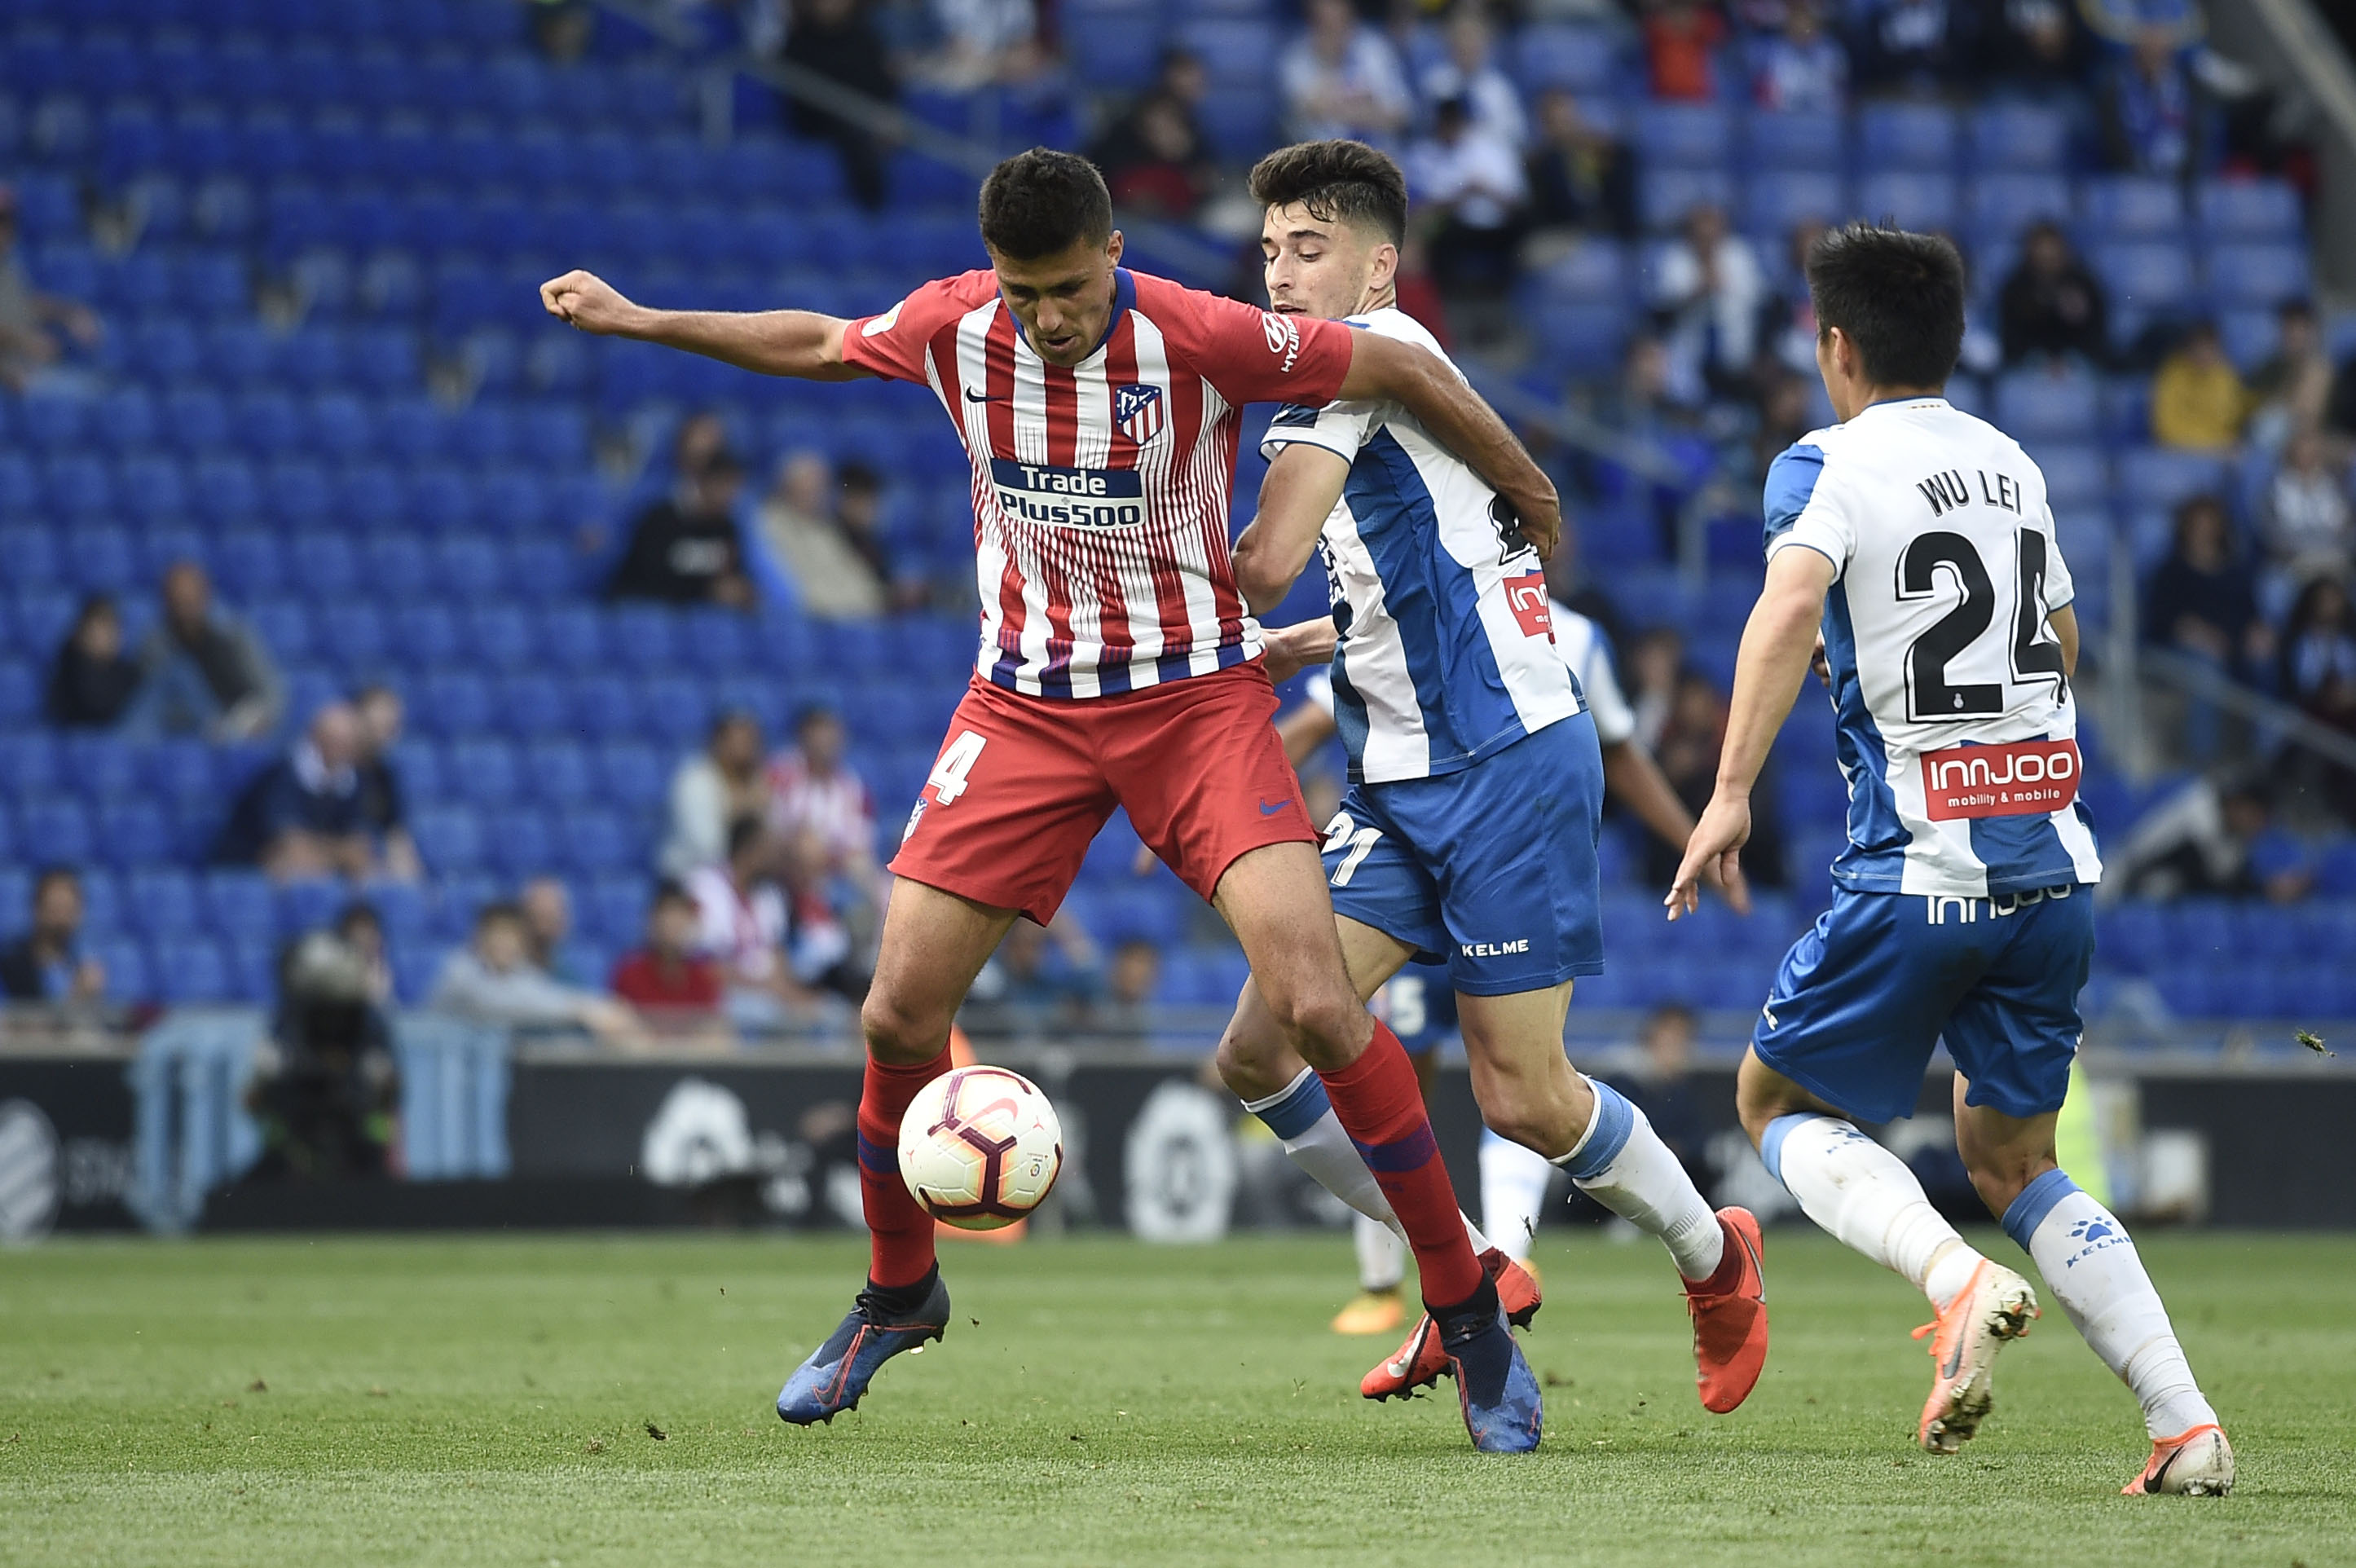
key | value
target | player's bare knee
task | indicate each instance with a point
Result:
(1248, 1060)
(2001, 1176)
(1325, 1024)
(895, 1034)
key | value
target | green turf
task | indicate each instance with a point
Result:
(487, 1401)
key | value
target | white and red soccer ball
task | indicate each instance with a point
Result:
(979, 1147)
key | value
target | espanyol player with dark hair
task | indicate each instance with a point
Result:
(1476, 784)
(1911, 549)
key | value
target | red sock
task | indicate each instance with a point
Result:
(1380, 1105)
(899, 1232)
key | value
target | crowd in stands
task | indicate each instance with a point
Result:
(347, 498)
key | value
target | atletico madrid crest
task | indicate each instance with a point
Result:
(1137, 410)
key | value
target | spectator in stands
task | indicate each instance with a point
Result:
(1688, 751)
(384, 807)
(1802, 68)
(819, 909)
(983, 42)
(2053, 307)
(47, 965)
(1707, 292)
(326, 1090)
(1470, 72)
(1130, 981)
(1469, 193)
(29, 319)
(2034, 48)
(1784, 416)
(666, 976)
(2292, 386)
(1579, 178)
(494, 980)
(202, 670)
(743, 923)
(2203, 603)
(1919, 47)
(2198, 400)
(2309, 530)
(1664, 1091)
(1156, 160)
(686, 549)
(1682, 38)
(836, 39)
(300, 817)
(93, 681)
(562, 31)
(1340, 77)
(2340, 404)
(1654, 660)
(1050, 973)
(2208, 840)
(823, 531)
(547, 906)
(1787, 320)
(2155, 118)
(362, 929)
(812, 788)
(2318, 672)
(720, 786)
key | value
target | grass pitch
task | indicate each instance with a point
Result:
(498, 1400)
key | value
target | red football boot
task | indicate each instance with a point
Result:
(1731, 1326)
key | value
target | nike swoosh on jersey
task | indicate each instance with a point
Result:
(972, 396)
(1268, 811)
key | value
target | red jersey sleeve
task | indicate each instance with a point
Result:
(894, 344)
(1248, 354)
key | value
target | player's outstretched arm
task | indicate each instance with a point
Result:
(1777, 645)
(799, 343)
(1303, 484)
(1386, 368)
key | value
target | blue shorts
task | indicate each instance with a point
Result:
(1421, 1007)
(1490, 869)
(1860, 1000)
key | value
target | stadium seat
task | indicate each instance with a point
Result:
(2019, 137)
(2131, 206)
(1919, 200)
(2036, 406)
(1664, 196)
(1814, 143)
(1912, 137)
(2257, 274)
(1682, 137)
(449, 839)
(631, 774)
(1585, 60)
(2002, 205)
(2157, 478)
(2247, 211)
(2148, 277)
(1777, 201)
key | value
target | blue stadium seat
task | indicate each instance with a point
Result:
(2258, 275)
(641, 636)
(2147, 276)
(20, 487)
(1919, 200)
(2036, 406)
(2248, 211)
(1666, 195)
(189, 969)
(557, 772)
(1775, 202)
(28, 766)
(426, 632)
(57, 827)
(240, 904)
(1581, 339)
(483, 771)
(455, 703)
(2019, 137)
(2131, 206)
(398, 565)
(613, 907)
(196, 419)
(520, 842)
(285, 626)
(674, 710)
(134, 833)
(152, 485)
(467, 566)
(127, 977)
(2156, 478)
(1918, 137)
(632, 775)
(536, 704)
(163, 902)
(449, 839)
(500, 635)
(2077, 478)
(268, 424)
(1682, 137)
(59, 421)
(572, 636)
(1816, 143)
(78, 487)
(1563, 54)
(2000, 206)
(595, 843)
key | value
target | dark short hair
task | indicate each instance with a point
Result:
(855, 474)
(498, 911)
(1339, 182)
(743, 830)
(809, 713)
(359, 912)
(54, 873)
(1044, 201)
(671, 890)
(1898, 295)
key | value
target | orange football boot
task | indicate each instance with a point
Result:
(2194, 1463)
(1731, 1326)
(1423, 1359)
(1995, 1306)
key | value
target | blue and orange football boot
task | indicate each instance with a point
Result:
(1494, 1386)
(839, 1371)
(1422, 1360)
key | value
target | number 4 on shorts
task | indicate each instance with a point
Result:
(948, 778)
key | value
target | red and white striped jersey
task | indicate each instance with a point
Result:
(1100, 493)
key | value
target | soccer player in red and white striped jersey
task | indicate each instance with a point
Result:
(1119, 666)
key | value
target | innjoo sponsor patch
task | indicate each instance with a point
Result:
(2025, 779)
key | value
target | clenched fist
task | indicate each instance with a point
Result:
(588, 302)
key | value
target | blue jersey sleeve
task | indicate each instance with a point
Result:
(1791, 482)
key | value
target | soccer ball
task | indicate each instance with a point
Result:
(979, 1147)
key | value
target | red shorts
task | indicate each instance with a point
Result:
(1022, 784)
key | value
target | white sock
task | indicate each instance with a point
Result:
(1381, 1256)
(1622, 1164)
(2090, 1262)
(1513, 1192)
(1303, 1119)
(1865, 1196)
